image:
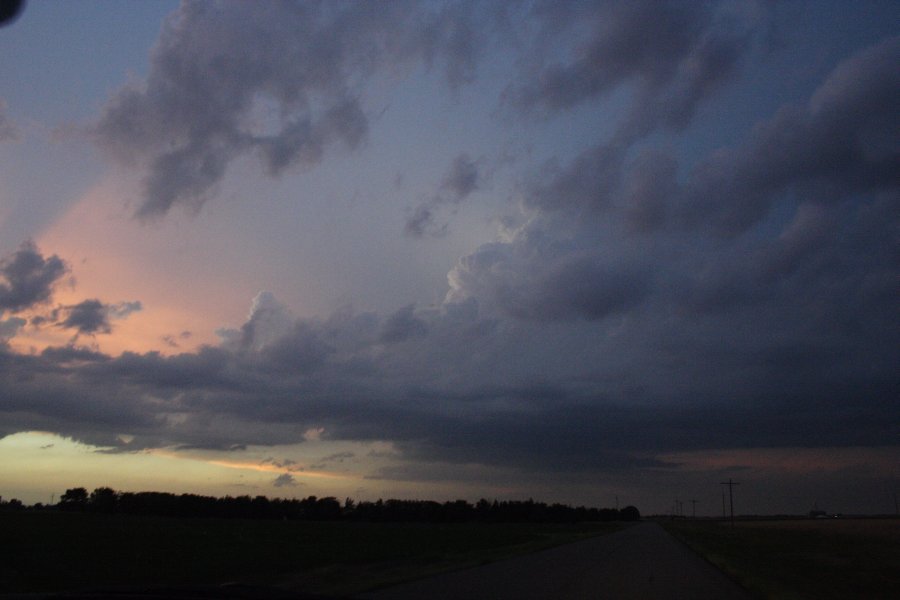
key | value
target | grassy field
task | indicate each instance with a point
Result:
(52, 551)
(803, 559)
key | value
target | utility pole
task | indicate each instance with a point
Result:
(694, 507)
(724, 514)
(730, 485)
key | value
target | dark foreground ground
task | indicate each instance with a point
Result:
(56, 552)
(638, 563)
(65, 555)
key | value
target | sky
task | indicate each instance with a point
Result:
(583, 252)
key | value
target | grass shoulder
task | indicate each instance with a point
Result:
(799, 559)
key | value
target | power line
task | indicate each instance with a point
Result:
(730, 485)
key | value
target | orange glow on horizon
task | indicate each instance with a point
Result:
(115, 258)
(275, 469)
(253, 466)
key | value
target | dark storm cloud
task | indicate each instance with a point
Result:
(300, 350)
(843, 142)
(49, 391)
(69, 354)
(648, 186)
(454, 396)
(674, 54)
(280, 81)
(585, 185)
(539, 278)
(207, 368)
(402, 325)
(27, 278)
(601, 213)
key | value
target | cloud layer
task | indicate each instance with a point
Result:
(642, 298)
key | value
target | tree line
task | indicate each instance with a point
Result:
(106, 500)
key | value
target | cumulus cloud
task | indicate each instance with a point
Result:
(285, 480)
(267, 321)
(27, 282)
(27, 278)
(89, 316)
(93, 316)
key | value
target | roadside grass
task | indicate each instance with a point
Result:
(803, 559)
(53, 551)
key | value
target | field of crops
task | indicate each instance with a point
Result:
(800, 559)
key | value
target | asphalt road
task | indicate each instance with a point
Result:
(641, 562)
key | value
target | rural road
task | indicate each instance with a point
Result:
(641, 562)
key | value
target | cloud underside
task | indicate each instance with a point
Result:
(635, 306)
(456, 384)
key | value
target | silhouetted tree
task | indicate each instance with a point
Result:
(103, 500)
(74, 499)
(13, 504)
(630, 513)
(107, 500)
